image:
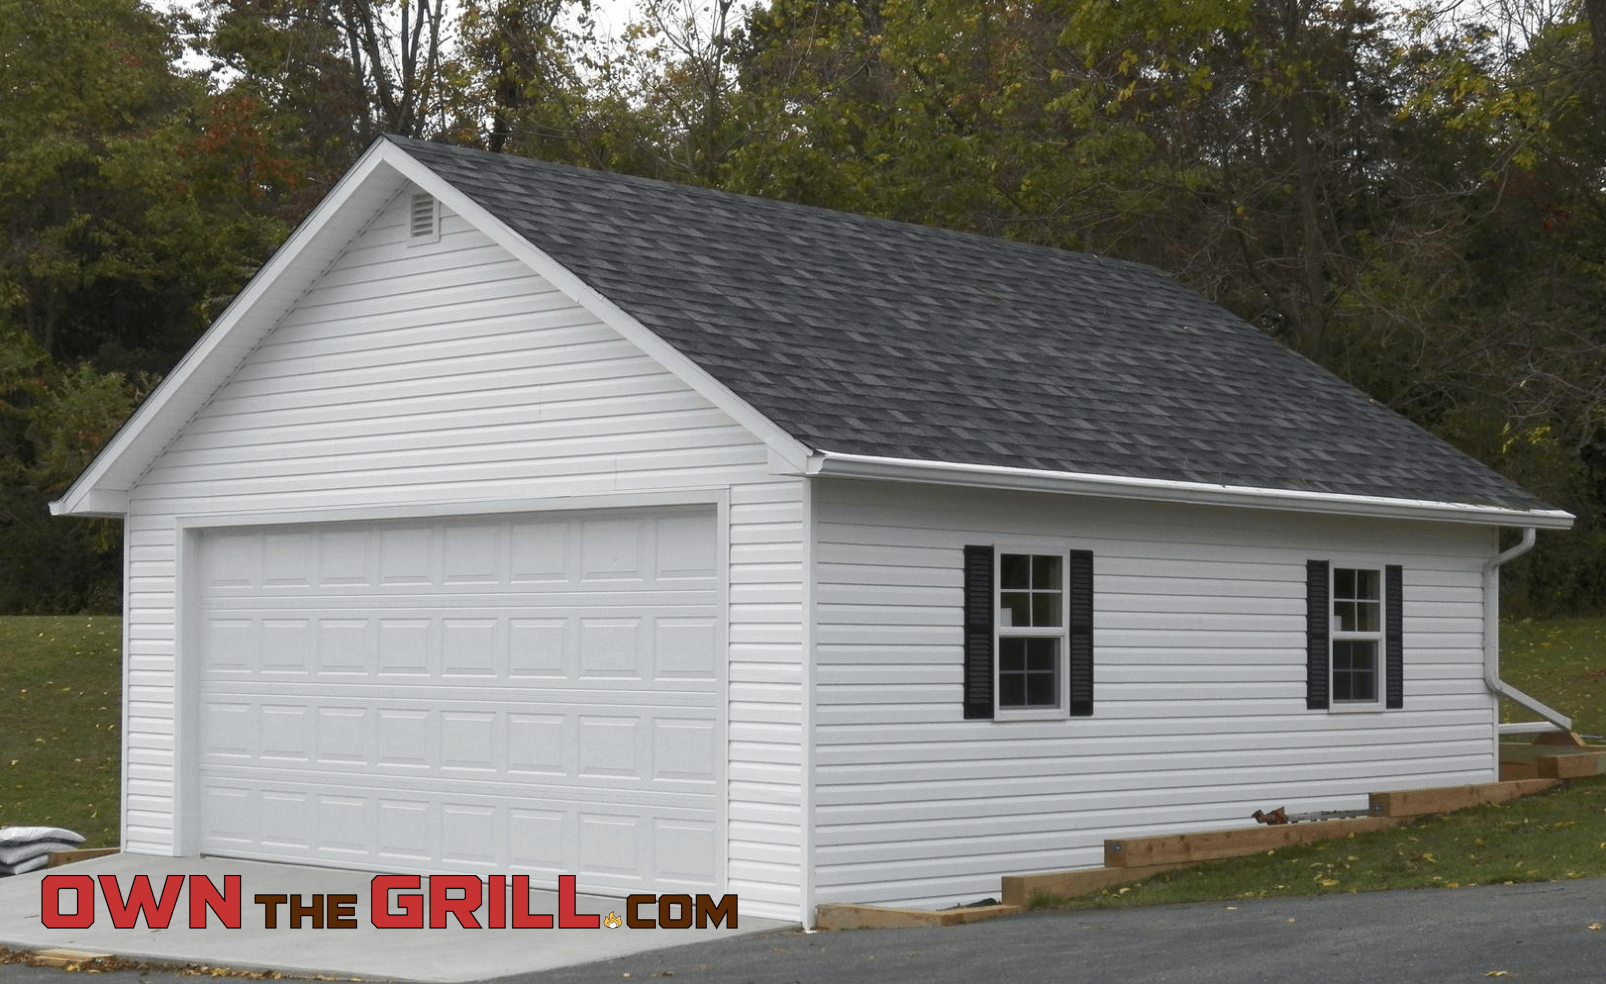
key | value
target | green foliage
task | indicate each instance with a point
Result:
(61, 685)
(115, 236)
(311, 82)
(51, 424)
(76, 414)
(133, 204)
(521, 89)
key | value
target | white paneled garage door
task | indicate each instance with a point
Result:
(529, 694)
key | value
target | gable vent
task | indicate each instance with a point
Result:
(421, 222)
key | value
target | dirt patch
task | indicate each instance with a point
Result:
(102, 965)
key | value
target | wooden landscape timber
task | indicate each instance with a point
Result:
(1420, 802)
(1553, 759)
(833, 916)
(1137, 859)
(1147, 852)
(59, 858)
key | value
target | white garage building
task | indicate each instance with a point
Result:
(517, 518)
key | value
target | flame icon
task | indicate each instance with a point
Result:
(613, 921)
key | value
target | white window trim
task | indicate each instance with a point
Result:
(1062, 675)
(1379, 702)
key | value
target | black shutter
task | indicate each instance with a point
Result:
(1079, 606)
(1394, 635)
(1317, 612)
(979, 604)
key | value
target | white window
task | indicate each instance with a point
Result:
(1031, 632)
(1028, 633)
(1356, 630)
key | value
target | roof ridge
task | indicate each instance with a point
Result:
(800, 208)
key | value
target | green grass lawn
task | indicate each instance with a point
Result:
(1563, 663)
(60, 706)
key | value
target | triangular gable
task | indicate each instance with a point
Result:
(382, 172)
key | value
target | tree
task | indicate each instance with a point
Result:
(332, 75)
(51, 424)
(281, 77)
(690, 95)
(524, 89)
(118, 222)
(128, 215)
(1513, 345)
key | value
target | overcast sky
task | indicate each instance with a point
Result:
(611, 16)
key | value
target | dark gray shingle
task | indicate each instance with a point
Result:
(866, 336)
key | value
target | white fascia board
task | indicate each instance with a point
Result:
(159, 419)
(96, 504)
(792, 454)
(829, 464)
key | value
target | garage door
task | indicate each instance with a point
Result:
(526, 694)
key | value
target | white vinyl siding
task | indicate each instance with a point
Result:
(766, 697)
(1199, 666)
(439, 377)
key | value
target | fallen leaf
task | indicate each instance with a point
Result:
(1595, 926)
(1496, 973)
(1290, 919)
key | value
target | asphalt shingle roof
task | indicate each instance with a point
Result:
(866, 336)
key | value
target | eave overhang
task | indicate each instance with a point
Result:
(831, 464)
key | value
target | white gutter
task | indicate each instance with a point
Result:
(833, 464)
(1491, 642)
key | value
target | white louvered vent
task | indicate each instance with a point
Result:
(422, 223)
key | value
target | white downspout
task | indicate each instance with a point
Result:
(1491, 636)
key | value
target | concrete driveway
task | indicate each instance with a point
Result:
(448, 954)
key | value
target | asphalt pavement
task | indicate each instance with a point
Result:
(1530, 933)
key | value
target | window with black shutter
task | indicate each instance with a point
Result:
(1028, 633)
(1355, 657)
